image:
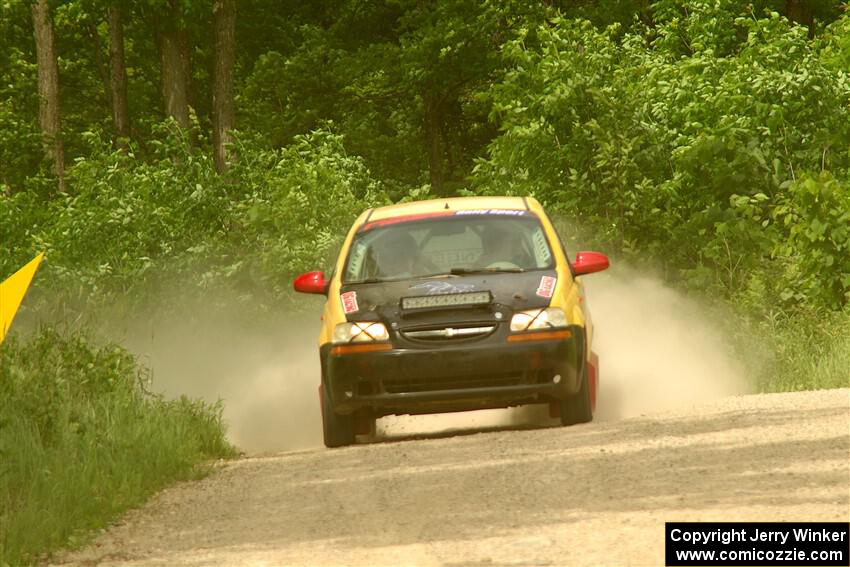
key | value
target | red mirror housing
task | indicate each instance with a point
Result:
(589, 262)
(311, 282)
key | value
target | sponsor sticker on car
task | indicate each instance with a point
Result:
(349, 302)
(547, 286)
(502, 212)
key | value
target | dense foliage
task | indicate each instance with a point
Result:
(128, 228)
(717, 125)
(731, 140)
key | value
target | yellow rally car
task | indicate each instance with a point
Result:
(453, 305)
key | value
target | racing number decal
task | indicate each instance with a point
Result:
(547, 286)
(349, 302)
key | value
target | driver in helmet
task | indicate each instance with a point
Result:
(396, 254)
(501, 249)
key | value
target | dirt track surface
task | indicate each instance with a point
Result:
(596, 494)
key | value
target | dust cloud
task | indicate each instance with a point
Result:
(658, 351)
(266, 373)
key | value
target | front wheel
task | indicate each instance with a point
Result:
(577, 408)
(338, 429)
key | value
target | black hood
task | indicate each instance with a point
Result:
(509, 292)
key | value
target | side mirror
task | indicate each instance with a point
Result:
(311, 282)
(589, 262)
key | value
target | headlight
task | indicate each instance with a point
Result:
(539, 319)
(360, 332)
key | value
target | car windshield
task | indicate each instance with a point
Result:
(457, 243)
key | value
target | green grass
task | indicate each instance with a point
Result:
(815, 354)
(81, 441)
(786, 351)
(833, 370)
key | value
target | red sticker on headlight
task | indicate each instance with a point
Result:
(349, 301)
(547, 286)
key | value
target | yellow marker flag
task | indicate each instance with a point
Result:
(12, 292)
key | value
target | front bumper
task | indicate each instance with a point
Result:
(454, 377)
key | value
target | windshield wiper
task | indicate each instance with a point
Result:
(367, 280)
(463, 271)
(437, 275)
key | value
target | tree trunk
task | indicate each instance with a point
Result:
(48, 89)
(102, 68)
(175, 84)
(225, 57)
(118, 76)
(434, 141)
(801, 12)
(185, 44)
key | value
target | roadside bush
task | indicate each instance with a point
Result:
(693, 132)
(298, 206)
(81, 440)
(135, 230)
(815, 214)
(713, 146)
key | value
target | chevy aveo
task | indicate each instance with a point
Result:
(453, 305)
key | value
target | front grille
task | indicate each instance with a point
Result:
(428, 384)
(448, 333)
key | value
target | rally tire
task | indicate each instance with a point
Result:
(577, 408)
(338, 430)
(364, 423)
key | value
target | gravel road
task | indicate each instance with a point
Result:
(594, 494)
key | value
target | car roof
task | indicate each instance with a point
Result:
(454, 203)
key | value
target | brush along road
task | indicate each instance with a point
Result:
(595, 494)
